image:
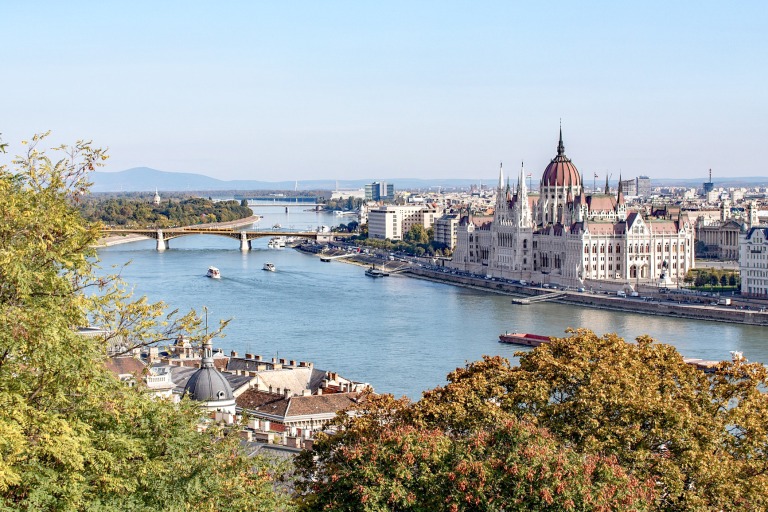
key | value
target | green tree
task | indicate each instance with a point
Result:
(71, 436)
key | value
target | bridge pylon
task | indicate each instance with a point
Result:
(162, 243)
(245, 244)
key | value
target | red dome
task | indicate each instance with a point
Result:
(561, 172)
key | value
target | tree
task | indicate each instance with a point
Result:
(585, 422)
(71, 436)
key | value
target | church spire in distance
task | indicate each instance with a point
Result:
(560, 146)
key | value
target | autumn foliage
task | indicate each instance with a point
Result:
(586, 422)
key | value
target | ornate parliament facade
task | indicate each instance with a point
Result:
(563, 236)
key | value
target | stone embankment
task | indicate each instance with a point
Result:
(658, 306)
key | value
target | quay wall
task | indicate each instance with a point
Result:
(663, 308)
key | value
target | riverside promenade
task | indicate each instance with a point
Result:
(659, 304)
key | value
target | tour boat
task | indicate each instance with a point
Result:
(277, 242)
(213, 273)
(269, 266)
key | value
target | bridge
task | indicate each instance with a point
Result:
(164, 235)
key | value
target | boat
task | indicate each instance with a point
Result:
(276, 226)
(269, 266)
(213, 273)
(277, 242)
(375, 272)
(526, 339)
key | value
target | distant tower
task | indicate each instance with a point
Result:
(156, 199)
(708, 185)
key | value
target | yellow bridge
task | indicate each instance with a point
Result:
(164, 235)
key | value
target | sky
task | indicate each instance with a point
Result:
(340, 90)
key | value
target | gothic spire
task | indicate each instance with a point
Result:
(607, 187)
(560, 146)
(501, 176)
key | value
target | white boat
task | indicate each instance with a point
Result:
(277, 242)
(269, 267)
(213, 273)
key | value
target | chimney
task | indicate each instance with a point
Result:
(302, 364)
(293, 362)
(274, 361)
(234, 354)
(319, 391)
(248, 356)
(258, 358)
(287, 392)
(282, 361)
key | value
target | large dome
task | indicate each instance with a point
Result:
(561, 172)
(208, 385)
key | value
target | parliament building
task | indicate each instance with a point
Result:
(563, 236)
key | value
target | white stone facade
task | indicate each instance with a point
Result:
(753, 262)
(565, 237)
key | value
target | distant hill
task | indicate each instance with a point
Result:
(144, 179)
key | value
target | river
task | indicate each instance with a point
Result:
(400, 334)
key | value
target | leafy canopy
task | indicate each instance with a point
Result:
(585, 422)
(71, 436)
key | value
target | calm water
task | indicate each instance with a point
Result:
(402, 335)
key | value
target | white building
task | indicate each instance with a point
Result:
(446, 229)
(564, 236)
(753, 262)
(393, 222)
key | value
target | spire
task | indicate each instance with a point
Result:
(560, 146)
(607, 187)
(620, 193)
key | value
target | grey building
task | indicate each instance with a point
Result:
(379, 191)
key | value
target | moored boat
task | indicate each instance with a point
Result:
(213, 273)
(526, 339)
(375, 272)
(269, 267)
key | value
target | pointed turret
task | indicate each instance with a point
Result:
(607, 187)
(560, 146)
(501, 176)
(620, 194)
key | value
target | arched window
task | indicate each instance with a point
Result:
(525, 243)
(618, 248)
(610, 249)
(586, 249)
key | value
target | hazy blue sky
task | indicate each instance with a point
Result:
(355, 89)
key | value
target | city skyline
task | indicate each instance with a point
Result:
(435, 90)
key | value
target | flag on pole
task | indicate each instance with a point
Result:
(595, 175)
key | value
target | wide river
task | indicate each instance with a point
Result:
(400, 334)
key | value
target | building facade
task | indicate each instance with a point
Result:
(446, 229)
(393, 222)
(753, 262)
(563, 236)
(379, 191)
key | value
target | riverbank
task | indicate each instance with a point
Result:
(109, 241)
(659, 306)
